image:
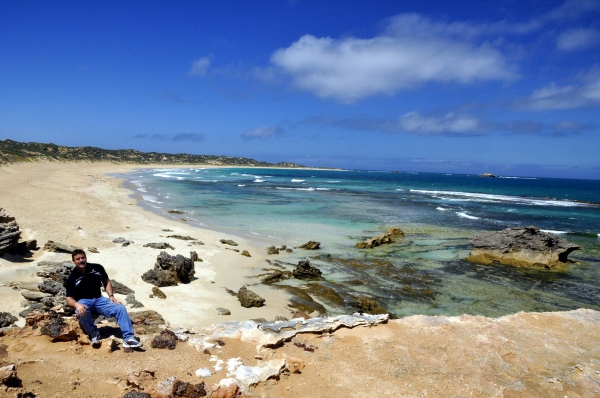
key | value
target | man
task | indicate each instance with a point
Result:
(83, 294)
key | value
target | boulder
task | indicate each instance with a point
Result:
(386, 238)
(92, 249)
(7, 319)
(166, 339)
(228, 242)
(223, 311)
(156, 292)
(147, 322)
(367, 305)
(120, 288)
(56, 247)
(55, 270)
(194, 256)
(58, 330)
(272, 250)
(9, 235)
(52, 287)
(249, 299)
(131, 300)
(34, 296)
(306, 271)
(159, 245)
(246, 253)
(273, 277)
(8, 376)
(310, 245)
(170, 270)
(521, 246)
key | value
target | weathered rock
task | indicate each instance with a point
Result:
(34, 307)
(131, 300)
(197, 242)
(92, 249)
(124, 242)
(8, 376)
(170, 270)
(7, 319)
(159, 245)
(119, 288)
(311, 245)
(58, 330)
(306, 271)
(5, 217)
(158, 293)
(223, 311)
(487, 175)
(386, 238)
(166, 339)
(137, 394)
(272, 250)
(181, 237)
(249, 299)
(56, 271)
(34, 296)
(56, 247)
(367, 305)
(9, 231)
(23, 248)
(147, 322)
(522, 246)
(52, 287)
(194, 257)
(246, 253)
(228, 242)
(273, 277)
(176, 212)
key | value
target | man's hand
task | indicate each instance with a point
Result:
(113, 299)
(80, 309)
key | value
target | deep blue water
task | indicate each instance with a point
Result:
(425, 272)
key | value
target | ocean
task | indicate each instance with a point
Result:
(423, 272)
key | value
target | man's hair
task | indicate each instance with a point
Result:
(76, 252)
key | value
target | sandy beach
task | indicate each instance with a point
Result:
(51, 200)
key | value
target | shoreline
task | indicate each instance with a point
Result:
(49, 199)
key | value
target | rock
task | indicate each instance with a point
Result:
(111, 344)
(52, 287)
(272, 250)
(5, 217)
(159, 245)
(194, 257)
(34, 307)
(273, 277)
(9, 231)
(223, 311)
(300, 314)
(199, 243)
(181, 237)
(367, 305)
(228, 391)
(386, 238)
(228, 242)
(8, 376)
(310, 245)
(166, 339)
(58, 330)
(56, 247)
(294, 365)
(488, 175)
(235, 250)
(7, 319)
(34, 296)
(176, 212)
(522, 246)
(288, 250)
(133, 303)
(147, 322)
(93, 250)
(137, 394)
(124, 242)
(158, 293)
(249, 299)
(119, 288)
(56, 271)
(170, 270)
(245, 253)
(306, 271)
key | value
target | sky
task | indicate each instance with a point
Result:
(508, 87)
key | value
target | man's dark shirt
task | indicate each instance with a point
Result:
(86, 285)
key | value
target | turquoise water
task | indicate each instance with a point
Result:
(423, 273)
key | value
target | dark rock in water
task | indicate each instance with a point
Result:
(170, 270)
(311, 245)
(159, 245)
(272, 250)
(52, 287)
(147, 322)
(246, 253)
(488, 175)
(166, 339)
(176, 212)
(367, 305)
(306, 271)
(156, 292)
(180, 237)
(523, 246)
(7, 319)
(386, 238)
(249, 299)
(56, 247)
(228, 242)
(119, 288)
(325, 293)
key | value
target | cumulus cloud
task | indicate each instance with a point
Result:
(571, 9)
(577, 39)
(178, 137)
(584, 93)
(262, 132)
(200, 66)
(412, 51)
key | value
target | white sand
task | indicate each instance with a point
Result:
(48, 199)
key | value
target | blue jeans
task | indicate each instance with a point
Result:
(104, 306)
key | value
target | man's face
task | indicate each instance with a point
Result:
(80, 261)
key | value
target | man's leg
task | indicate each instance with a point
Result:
(105, 307)
(87, 321)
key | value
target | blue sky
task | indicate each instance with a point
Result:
(509, 87)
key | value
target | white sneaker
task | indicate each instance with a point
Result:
(131, 343)
(95, 341)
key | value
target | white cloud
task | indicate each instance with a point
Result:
(262, 132)
(452, 124)
(571, 9)
(577, 39)
(200, 66)
(412, 51)
(586, 93)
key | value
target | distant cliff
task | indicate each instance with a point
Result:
(13, 151)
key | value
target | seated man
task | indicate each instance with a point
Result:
(83, 294)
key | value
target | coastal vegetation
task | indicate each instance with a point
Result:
(15, 152)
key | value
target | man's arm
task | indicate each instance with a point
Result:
(109, 290)
(80, 309)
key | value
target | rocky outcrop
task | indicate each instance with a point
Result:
(57, 247)
(249, 299)
(181, 237)
(133, 302)
(147, 322)
(55, 270)
(156, 292)
(272, 250)
(487, 175)
(311, 245)
(170, 270)
(383, 239)
(194, 256)
(52, 287)
(159, 245)
(522, 246)
(7, 319)
(228, 242)
(124, 242)
(8, 377)
(9, 232)
(246, 253)
(306, 271)
(119, 288)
